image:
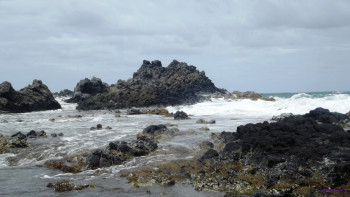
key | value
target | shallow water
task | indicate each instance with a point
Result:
(21, 174)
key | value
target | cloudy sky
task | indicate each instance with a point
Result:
(260, 45)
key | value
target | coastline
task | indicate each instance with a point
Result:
(78, 138)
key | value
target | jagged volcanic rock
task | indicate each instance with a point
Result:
(86, 88)
(152, 85)
(35, 97)
(310, 150)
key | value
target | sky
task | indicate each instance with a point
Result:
(260, 45)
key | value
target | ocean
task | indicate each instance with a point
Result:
(23, 174)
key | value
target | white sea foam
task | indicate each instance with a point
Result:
(297, 104)
(3, 161)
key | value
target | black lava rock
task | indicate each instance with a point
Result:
(86, 88)
(119, 151)
(154, 85)
(180, 115)
(35, 97)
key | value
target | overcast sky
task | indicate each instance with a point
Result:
(260, 45)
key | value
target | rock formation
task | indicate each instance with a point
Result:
(298, 155)
(86, 88)
(241, 95)
(64, 93)
(35, 97)
(154, 85)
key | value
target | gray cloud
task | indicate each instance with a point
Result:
(262, 45)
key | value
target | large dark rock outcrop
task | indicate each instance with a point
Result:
(35, 97)
(152, 85)
(310, 152)
(86, 88)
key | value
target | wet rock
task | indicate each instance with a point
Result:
(108, 128)
(63, 186)
(154, 85)
(120, 146)
(159, 111)
(35, 97)
(280, 117)
(180, 115)
(204, 129)
(103, 158)
(53, 135)
(165, 180)
(119, 151)
(66, 185)
(158, 131)
(18, 140)
(206, 145)
(64, 167)
(143, 146)
(202, 121)
(31, 134)
(92, 128)
(134, 111)
(34, 134)
(42, 134)
(211, 153)
(4, 145)
(52, 119)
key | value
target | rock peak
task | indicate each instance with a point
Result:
(152, 84)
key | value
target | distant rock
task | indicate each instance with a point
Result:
(180, 115)
(86, 88)
(154, 85)
(35, 97)
(35, 134)
(64, 93)
(202, 121)
(241, 95)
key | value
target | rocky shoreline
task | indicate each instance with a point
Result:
(290, 155)
(295, 156)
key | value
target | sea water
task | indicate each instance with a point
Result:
(23, 175)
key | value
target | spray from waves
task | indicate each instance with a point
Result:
(299, 103)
